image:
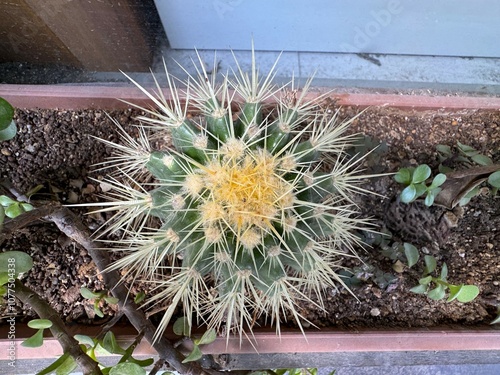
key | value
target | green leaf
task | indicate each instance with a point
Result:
(437, 293)
(111, 300)
(9, 132)
(467, 150)
(437, 181)
(6, 113)
(88, 294)
(431, 196)
(430, 264)
(67, 367)
(481, 159)
(142, 362)
(419, 289)
(181, 327)
(208, 337)
(22, 262)
(14, 210)
(3, 291)
(27, 207)
(98, 311)
(444, 169)
(40, 323)
(403, 176)
(195, 355)
(34, 341)
(421, 173)
(408, 194)
(111, 345)
(464, 294)
(411, 253)
(53, 367)
(127, 368)
(444, 149)
(85, 340)
(6, 201)
(139, 297)
(496, 320)
(444, 272)
(425, 280)
(421, 189)
(494, 179)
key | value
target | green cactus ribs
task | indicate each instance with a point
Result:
(255, 208)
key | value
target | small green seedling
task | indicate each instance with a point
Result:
(181, 328)
(36, 340)
(468, 156)
(415, 181)
(98, 297)
(8, 128)
(435, 287)
(12, 208)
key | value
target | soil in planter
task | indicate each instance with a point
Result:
(55, 149)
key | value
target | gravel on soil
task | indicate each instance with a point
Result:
(56, 149)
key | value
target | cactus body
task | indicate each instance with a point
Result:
(252, 219)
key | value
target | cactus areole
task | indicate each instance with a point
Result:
(255, 206)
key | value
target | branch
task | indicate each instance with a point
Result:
(58, 329)
(72, 226)
(11, 226)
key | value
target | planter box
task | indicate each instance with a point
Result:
(439, 28)
(440, 345)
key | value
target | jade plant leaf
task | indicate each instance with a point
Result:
(111, 345)
(9, 132)
(40, 323)
(34, 341)
(62, 363)
(84, 339)
(127, 368)
(21, 262)
(6, 113)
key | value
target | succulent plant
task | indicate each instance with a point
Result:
(253, 196)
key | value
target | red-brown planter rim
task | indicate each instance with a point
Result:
(65, 97)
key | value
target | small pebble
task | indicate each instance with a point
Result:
(375, 312)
